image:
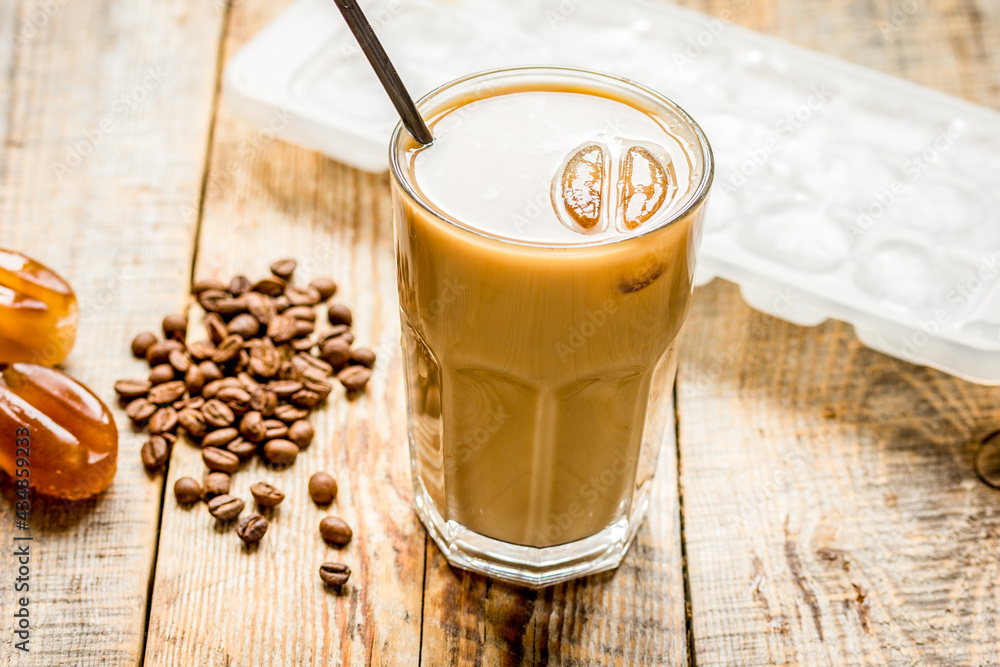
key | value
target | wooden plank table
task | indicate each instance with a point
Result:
(821, 507)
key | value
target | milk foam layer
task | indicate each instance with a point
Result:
(495, 164)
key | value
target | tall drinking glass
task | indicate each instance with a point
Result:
(545, 247)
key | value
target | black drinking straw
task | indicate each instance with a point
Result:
(369, 43)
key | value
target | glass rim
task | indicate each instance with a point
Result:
(399, 170)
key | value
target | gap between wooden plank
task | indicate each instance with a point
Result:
(423, 599)
(210, 144)
(688, 603)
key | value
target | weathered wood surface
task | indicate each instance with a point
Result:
(104, 110)
(830, 510)
(832, 515)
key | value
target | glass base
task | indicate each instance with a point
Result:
(530, 566)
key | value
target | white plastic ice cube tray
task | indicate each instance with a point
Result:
(840, 192)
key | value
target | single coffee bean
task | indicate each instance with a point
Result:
(252, 426)
(265, 360)
(354, 378)
(163, 420)
(263, 401)
(338, 313)
(270, 286)
(159, 352)
(302, 296)
(285, 388)
(284, 268)
(237, 398)
(130, 389)
(322, 488)
(180, 361)
(281, 329)
(306, 362)
(187, 490)
(142, 343)
(335, 530)
(303, 329)
(206, 284)
(306, 398)
(334, 574)
(314, 373)
(335, 331)
(218, 414)
(210, 299)
(239, 285)
(230, 306)
(162, 373)
(216, 327)
(248, 382)
(216, 484)
(219, 460)
(325, 286)
(140, 410)
(228, 349)
(220, 438)
(261, 307)
(193, 422)
(245, 325)
(280, 452)
(168, 392)
(275, 429)
(201, 350)
(336, 352)
(321, 387)
(210, 370)
(225, 507)
(266, 495)
(212, 389)
(175, 326)
(194, 379)
(362, 356)
(154, 453)
(301, 313)
(304, 344)
(251, 528)
(243, 449)
(301, 433)
(193, 402)
(290, 413)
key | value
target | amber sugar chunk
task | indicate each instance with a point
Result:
(38, 312)
(72, 441)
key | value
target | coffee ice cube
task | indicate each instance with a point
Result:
(579, 187)
(646, 182)
(629, 184)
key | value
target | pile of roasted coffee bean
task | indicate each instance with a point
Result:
(247, 389)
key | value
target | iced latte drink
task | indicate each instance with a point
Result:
(545, 246)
